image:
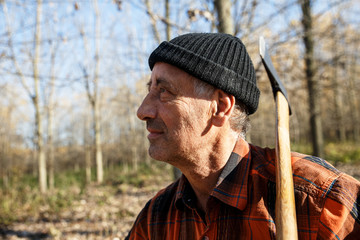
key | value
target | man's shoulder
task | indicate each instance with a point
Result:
(311, 174)
(328, 194)
(314, 172)
(317, 175)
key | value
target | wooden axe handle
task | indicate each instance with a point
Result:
(286, 227)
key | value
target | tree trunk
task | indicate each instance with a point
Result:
(96, 106)
(39, 154)
(35, 99)
(134, 146)
(93, 97)
(338, 102)
(5, 148)
(50, 115)
(51, 154)
(225, 21)
(353, 95)
(167, 16)
(152, 21)
(98, 149)
(312, 83)
(87, 151)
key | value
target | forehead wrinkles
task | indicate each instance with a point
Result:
(173, 78)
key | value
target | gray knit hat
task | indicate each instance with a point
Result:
(216, 58)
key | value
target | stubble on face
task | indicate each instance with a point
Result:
(181, 117)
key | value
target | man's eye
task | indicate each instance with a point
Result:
(162, 90)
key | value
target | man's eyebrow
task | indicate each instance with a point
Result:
(163, 82)
(159, 81)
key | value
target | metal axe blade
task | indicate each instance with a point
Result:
(271, 72)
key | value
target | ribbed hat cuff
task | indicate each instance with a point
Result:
(208, 71)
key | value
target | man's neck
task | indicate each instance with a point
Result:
(205, 173)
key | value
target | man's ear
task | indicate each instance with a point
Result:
(224, 106)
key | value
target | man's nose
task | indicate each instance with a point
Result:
(147, 109)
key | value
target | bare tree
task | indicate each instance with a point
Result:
(35, 99)
(312, 83)
(6, 113)
(153, 20)
(50, 118)
(34, 95)
(167, 17)
(92, 90)
(225, 20)
(95, 101)
(337, 88)
(87, 149)
(353, 91)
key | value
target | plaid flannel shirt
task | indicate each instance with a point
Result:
(242, 205)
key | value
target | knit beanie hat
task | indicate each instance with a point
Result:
(216, 58)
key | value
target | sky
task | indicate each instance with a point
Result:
(126, 40)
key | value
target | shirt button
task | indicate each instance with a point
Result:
(205, 238)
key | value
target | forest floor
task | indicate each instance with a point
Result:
(100, 212)
(105, 211)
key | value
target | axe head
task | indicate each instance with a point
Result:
(271, 72)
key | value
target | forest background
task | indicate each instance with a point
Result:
(72, 74)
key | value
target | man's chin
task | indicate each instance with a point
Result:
(157, 154)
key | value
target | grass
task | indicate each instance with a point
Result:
(345, 152)
(23, 202)
(140, 177)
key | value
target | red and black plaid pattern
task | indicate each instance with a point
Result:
(242, 205)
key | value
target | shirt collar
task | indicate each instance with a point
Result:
(232, 185)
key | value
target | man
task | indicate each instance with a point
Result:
(201, 91)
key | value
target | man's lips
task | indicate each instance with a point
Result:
(155, 128)
(154, 133)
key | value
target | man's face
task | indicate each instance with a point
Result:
(176, 118)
